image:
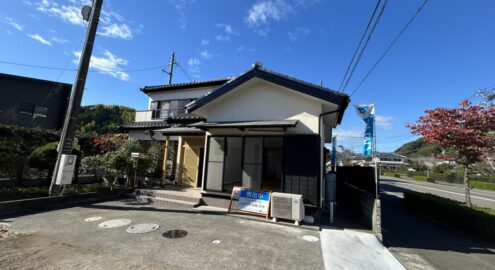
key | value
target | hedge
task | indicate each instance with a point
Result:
(476, 220)
(482, 185)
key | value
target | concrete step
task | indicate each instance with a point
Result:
(167, 195)
(168, 201)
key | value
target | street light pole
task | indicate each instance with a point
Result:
(69, 129)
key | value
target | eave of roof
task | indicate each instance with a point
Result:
(181, 131)
(179, 86)
(145, 125)
(246, 124)
(340, 99)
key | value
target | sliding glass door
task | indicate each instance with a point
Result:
(233, 165)
(252, 165)
(214, 174)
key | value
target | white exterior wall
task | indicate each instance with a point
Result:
(179, 94)
(261, 100)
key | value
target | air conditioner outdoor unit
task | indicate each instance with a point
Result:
(287, 206)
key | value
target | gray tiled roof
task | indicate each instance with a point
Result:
(177, 86)
(185, 117)
(145, 125)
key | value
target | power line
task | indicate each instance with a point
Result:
(365, 45)
(73, 69)
(185, 73)
(390, 46)
(359, 44)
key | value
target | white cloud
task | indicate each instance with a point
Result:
(229, 30)
(8, 32)
(298, 33)
(205, 54)
(107, 64)
(193, 62)
(70, 14)
(205, 42)
(59, 40)
(384, 122)
(180, 6)
(111, 22)
(265, 11)
(40, 39)
(13, 23)
(222, 38)
(115, 30)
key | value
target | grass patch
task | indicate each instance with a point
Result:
(19, 193)
(482, 185)
(420, 178)
(476, 220)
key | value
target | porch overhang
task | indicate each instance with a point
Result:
(181, 131)
(242, 125)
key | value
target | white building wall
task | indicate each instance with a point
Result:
(261, 100)
(179, 94)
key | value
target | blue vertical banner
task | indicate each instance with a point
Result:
(334, 151)
(367, 113)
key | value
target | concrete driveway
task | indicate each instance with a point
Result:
(62, 239)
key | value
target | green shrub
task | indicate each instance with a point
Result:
(430, 180)
(482, 185)
(397, 175)
(419, 177)
(410, 174)
(475, 220)
(451, 177)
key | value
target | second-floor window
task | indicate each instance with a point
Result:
(164, 109)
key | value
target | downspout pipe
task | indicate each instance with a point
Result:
(320, 118)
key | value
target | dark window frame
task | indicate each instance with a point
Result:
(157, 112)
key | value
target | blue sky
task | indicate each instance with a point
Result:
(444, 57)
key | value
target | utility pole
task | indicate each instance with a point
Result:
(171, 68)
(91, 14)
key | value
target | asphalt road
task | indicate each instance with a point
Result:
(421, 243)
(456, 192)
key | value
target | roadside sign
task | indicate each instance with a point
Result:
(250, 201)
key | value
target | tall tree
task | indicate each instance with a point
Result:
(462, 130)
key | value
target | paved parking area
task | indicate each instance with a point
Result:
(62, 239)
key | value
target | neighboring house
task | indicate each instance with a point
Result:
(392, 162)
(30, 102)
(429, 162)
(386, 161)
(261, 130)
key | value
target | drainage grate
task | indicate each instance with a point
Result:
(172, 234)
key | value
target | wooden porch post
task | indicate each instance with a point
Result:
(165, 158)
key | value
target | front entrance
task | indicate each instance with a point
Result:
(191, 160)
(277, 163)
(272, 163)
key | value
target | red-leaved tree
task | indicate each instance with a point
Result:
(462, 130)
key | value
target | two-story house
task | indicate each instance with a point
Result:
(261, 130)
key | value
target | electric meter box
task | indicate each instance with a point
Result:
(66, 169)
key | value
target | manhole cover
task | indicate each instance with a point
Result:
(114, 223)
(143, 228)
(310, 238)
(90, 219)
(172, 234)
